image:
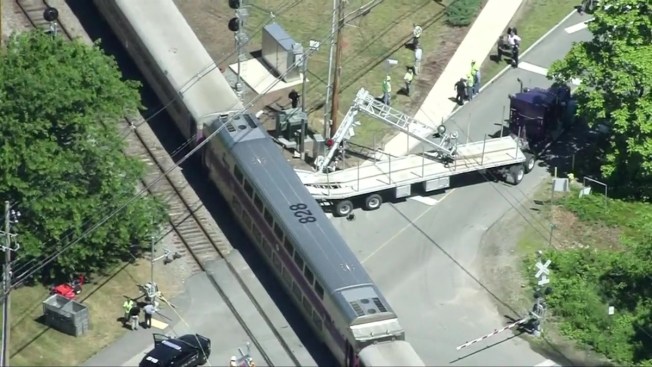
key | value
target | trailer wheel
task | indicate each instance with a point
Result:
(373, 202)
(529, 162)
(517, 172)
(343, 208)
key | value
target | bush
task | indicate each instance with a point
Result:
(460, 13)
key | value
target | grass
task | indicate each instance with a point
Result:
(34, 344)
(368, 41)
(533, 20)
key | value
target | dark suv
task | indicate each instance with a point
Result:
(186, 351)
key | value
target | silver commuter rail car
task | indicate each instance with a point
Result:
(312, 260)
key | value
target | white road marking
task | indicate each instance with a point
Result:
(547, 363)
(384, 244)
(577, 27)
(425, 200)
(533, 68)
(542, 71)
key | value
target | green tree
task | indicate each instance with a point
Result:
(615, 69)
(61, 156)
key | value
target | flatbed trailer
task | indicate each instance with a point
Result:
(371, 182)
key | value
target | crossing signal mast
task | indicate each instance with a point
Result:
(236, 25)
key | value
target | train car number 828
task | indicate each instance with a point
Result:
(301, 211)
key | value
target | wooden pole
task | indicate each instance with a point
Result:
(335, 104)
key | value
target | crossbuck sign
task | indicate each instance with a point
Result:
(542, 273)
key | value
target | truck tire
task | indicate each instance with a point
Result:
(516, 173)
(529, 162)
(343, 208)
(373, 202)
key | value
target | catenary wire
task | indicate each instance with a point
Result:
(186, 86)
(27, 274)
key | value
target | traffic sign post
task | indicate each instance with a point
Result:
(542, 289)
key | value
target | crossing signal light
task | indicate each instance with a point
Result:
(234, 4)
(234, 24)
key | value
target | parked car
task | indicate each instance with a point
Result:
(186, 351)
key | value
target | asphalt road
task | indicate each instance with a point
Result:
(424, 253)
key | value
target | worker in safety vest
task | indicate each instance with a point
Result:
(475, 71)
(126, 307)
(469, 86)
(387, 89)
(409, 76)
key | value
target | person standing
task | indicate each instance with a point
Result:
(149, 311)
(409, 76)
(475, 71)
(416, 35)
(418, 53)
(460, 86)
(126, 306)
(387, 89)
(134, 314)
(469, 86)
(294, 97)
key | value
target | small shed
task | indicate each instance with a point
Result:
(281, 52)
(66, 315)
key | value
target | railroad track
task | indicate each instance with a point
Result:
(195, 232)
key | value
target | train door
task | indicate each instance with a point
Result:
(351, 358)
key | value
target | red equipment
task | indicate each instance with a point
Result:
(70, 289)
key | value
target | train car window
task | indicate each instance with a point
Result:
(276, 261)
(258, 203)
(246, 219)
(306, 305)
(237, 207)
(316, 319)
(278, 231)
(296, 290)
(309, 276)
(288, 247)
(268, 217)
(267, 248)
(238, 174)
(257, 236)
(287, 277)
(248, 189)
(319, 290)
(298, 260)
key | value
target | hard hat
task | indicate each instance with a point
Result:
(233, 359)
(389, 78)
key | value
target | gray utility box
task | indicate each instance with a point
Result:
(65, 315)
(288, 124)
(280, 52)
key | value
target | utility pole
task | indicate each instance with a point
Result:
(335, 104)
(313, 46)
(237, 25)
(153, 297)
(329, 85)
(11, 217)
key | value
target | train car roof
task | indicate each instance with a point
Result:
(320, 243)
(395, 353)
(179, 53)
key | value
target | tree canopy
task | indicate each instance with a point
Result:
(61, 157)
(615, 69)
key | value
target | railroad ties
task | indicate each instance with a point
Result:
(192, 228)
(197, 234)
(33, 10)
